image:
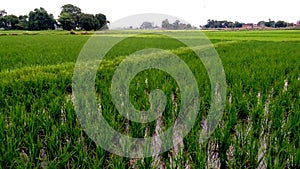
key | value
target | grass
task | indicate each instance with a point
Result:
(259, 127)
(32, 50)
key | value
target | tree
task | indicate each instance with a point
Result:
(71, 17)
(39, 19)
(238, 24)
(2, 22)
(261, 23)
(2, 13)
(280, 24)
(176, 24)
(165, 24)
(146, 25)
(23, 22)
(74, 11)
(230, 25)
(270, 23)
(222, 24)
(210, 24)
(66, 21)
(10, 22)
(189, 26)
(87, 22)
(100, 22)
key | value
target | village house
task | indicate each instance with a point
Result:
(248, 26)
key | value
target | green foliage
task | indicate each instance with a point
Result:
(222, 24)
(100, 22)
(165, 24)
(73, 11)
(87, 22)
(71, 17)
(23, 22)
(39, 19)
(10, 22)
(281, 24)
(67, 22)
(146, 25)
(2, 22)
(175, 26)
(270, 23)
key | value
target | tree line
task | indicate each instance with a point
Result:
(71, 17)
(228, 24)
(177, 25)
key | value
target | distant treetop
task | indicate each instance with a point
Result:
(70, 17)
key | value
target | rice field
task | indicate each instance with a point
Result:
(39, 127)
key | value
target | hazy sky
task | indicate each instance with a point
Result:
(195, 12)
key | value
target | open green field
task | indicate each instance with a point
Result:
(259, 128)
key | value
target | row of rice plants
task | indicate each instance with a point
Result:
(259, 128)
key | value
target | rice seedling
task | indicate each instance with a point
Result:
(259, 128)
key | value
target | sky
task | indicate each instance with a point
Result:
(195, 12)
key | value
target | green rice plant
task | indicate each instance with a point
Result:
(39, 126)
